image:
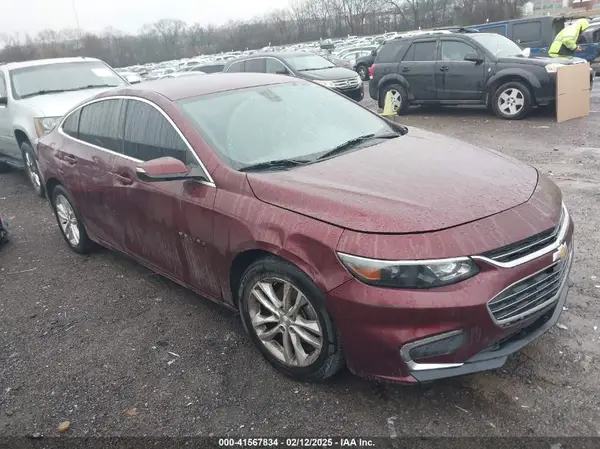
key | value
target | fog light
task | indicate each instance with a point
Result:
(439, 345)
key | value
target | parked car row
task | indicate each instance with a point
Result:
(313, 217)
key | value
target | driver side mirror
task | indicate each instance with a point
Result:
(473, 57)
(163, 169)
(283, 71)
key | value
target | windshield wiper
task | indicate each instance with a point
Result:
(43, 92)
(316, 68)
(280, 163)
(57, 91)
(352, 143)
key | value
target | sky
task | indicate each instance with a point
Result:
(32, 16)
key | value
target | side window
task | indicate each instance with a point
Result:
(99, 124)
(274, 66)
(455, 50)
(501, 29)
(71, 124)
(3, 90)
(149, 135)
(421, 51)
(526, 32)
(255, 65)
(235, 67)
(390, 51)
(214, 68)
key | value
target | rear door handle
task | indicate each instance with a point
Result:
(406, 69)
(69, 158)
(123, 179)
(444, 68)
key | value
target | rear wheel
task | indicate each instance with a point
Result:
(399, 98)
(31, 168)
(512, 101)
(284, 313)
(363, 72)
(69, 221)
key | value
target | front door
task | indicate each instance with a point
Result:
(457, 79)
(167, 224)
(8, 143)
(418, 66)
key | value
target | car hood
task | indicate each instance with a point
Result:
(415, 183)
(541, 60)
(58, 104)
(334, 73)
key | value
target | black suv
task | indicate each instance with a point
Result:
(464, 68)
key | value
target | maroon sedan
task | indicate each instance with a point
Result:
(341, 238)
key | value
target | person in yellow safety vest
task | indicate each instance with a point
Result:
(565, 42)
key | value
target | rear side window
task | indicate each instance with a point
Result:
(421, 51)
(71, 124)
(211, 68)
(527, 32)
(99, 124)
(235, 67)
(149, 135)
(391, 51)
(255, 65)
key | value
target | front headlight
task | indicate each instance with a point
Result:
(410, 274)
(43, 125)
(359, 79)
(552, 68)
(329, 84)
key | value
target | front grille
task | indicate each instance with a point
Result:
(349, 83)
(526, 246)
(529, 295)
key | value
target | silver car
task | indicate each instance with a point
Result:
(34, 95)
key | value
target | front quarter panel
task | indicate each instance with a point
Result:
(243, 223)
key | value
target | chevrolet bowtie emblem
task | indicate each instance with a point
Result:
(561, 253)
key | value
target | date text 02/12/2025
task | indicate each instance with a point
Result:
(295, 442)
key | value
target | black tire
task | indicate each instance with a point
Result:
(402, 96)
(31, 169)
(84, 244)
(363, 72)
(331, 357)
(517, 91)
(4, 167)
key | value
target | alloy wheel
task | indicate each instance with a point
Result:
(362, 72)
(285, 322)
(511, 102)
(396, 100)
(68, 220)
(32, 171)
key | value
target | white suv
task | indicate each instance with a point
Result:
(34, 95)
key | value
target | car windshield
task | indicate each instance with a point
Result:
(302, 63)
(59, 77)
(499, 46)
(291, 121)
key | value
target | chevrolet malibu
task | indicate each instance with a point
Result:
(340, 237)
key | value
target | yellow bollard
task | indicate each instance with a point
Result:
(388, 106)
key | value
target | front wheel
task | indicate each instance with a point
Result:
(32, 169)
(512, 101)
(284, 313)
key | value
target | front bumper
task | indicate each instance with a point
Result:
(379, 326)
(357, 94)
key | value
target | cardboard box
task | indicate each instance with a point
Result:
(572, 92)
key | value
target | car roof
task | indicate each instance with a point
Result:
(275, 54)
(38, 62)
(193, 86)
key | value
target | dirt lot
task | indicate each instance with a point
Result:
(87, 339)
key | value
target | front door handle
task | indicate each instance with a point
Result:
(406, 69)
(444, 68)
(123, 179)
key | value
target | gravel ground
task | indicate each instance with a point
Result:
(118, 351)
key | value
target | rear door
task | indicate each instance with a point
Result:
(457, 79)
(418, 67)
(86, 159)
